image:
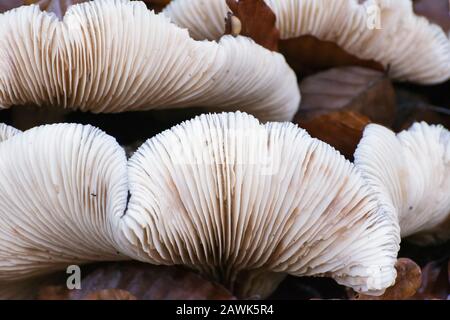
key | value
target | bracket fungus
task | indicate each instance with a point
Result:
(410, 172)
(245, 204)
(116, 55)
(384, 31)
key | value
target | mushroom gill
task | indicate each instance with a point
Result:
(410, 172)
(245, 204)
(7, 132)
(385, 31)
(62, 188)
(116, 55)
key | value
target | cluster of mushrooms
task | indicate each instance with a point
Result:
(240, 196)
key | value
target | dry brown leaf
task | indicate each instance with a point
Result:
(110, 294)
(437, 11)
(357, 89)
(53, 293)
(156, 5)
(257, 22)
(307, 55)
(406, 285)
(342, 129)
(140, 281)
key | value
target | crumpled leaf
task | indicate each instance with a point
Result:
(140, 281)
(356, 89)
(307, 55)
(341, 129)
(437, 11)
(53, 292)
(406, 285)
(257, 22)
(110, 294)
(435, 281)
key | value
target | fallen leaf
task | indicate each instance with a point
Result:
(257, 21)
(156, 5)
(110, 294)
(357, 89)
(437, 11)
(140, 281)
(308, 55)
(435, 281)
(53, 293)
(342, 129)
(406, 285)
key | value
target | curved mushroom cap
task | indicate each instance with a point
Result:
(246, 203)
(116, 55)
(7, 132)
(62, 189)
(411, 172)
(408, 45)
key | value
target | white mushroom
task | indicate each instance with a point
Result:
(411, 173)
(7, 132)
(63, 189)
(386, 31)
(246, 203)
(116, 55)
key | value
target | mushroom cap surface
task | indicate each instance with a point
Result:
(408, 46)
(411, 173)
(63, 189)
(116, 55)
(246, 203)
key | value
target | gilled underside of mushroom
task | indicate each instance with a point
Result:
(245, 203)
(409, 46)
(7, 132)
(116, 55)
(241, 202)
(411, 173)
(62, 189)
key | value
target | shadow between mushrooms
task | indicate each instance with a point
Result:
(116, 55)
(409, 46)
